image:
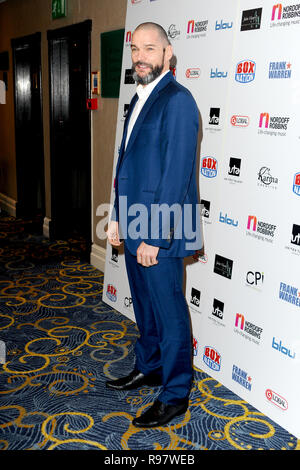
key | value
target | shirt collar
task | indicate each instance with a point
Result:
(144, 92)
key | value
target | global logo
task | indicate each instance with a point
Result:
(209, 167)
(212, 358)
(193, 73)
(276, 399)
(296, 184)
(239, 121)
(111, 293)
(245, 71)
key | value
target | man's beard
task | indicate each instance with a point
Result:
(150, 77)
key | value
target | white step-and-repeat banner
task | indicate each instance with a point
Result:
(240, 60)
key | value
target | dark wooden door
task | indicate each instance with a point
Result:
(29, 125)
(70, 86)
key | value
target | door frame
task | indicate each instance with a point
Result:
(29, 40)
(83, 27)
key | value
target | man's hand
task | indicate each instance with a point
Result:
(113, 233)
(146, 254)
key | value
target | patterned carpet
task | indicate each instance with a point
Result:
(62, 343)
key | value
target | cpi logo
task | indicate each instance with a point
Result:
(209, 167)
(212, 358)
(245, 71)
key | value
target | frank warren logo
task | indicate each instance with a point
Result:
(276, 399)
(296, 184)
(285, 15)
(209, 167)
(212, 358)
(241, 377)
(248, 330)
(111, 293)
(234, 171)
(223, 266)
(245, 71)
(261, 230)
(251, 19)
(290, 294)
(280, 70)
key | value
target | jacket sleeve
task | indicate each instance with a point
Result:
(178, 147)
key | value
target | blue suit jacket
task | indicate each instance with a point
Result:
(158, 172)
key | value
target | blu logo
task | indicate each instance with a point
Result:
(279, 347)
(222, 25)
(227, 220)
(217, 74)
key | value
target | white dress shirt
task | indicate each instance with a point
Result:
(143, 94)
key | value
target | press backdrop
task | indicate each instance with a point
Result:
(241, 62)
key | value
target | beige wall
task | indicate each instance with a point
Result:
(23, 17)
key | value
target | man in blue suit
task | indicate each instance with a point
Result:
(157, 213)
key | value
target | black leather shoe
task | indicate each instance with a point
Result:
(160, 414)
(134, 380)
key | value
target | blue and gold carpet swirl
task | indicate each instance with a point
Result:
(62, 343)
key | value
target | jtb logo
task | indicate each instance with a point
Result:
(223, 25)
(212, 358)
(279, 347)
(245, 71)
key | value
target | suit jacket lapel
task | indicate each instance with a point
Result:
(122, 146)
(151, 99)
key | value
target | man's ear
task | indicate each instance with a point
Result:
(169, 52)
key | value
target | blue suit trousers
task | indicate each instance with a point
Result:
(163, 320)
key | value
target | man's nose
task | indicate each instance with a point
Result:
(140, 56)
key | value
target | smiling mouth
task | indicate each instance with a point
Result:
(142, 67)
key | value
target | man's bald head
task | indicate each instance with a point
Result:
(156, 27)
